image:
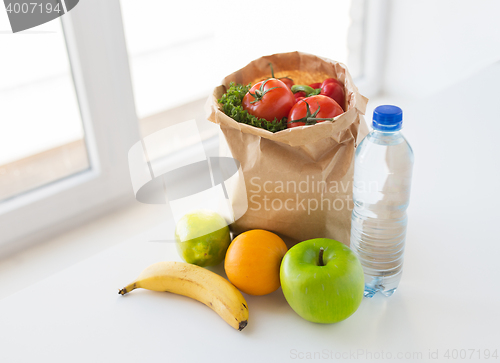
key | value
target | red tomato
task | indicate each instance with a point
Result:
(269, 99)
(334, 80)
(334, 89)
(315, 85)
(288, 81)
(321, 108)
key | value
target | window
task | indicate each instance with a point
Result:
(105, 125)
(41, 133)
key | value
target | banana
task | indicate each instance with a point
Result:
(197, 283)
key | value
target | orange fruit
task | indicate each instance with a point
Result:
(253, 262)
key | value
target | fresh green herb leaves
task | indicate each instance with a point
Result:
(231, 106)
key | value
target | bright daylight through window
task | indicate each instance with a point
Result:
(173, 62)
(41, 133)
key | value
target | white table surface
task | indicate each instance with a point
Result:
(449, 297)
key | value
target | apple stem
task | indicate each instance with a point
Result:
(321, 250)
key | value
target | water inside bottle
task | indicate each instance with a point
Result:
(382, 180)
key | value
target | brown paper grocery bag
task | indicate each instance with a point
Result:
(298, 181)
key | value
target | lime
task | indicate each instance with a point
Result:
(202, 238)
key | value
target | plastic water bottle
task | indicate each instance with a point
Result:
(382, 179)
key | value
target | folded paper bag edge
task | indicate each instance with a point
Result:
(296, 136)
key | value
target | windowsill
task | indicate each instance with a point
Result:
(35, 263)
(449, 245)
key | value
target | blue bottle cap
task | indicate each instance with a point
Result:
(387, 118)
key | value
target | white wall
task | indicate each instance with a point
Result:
(433, 44)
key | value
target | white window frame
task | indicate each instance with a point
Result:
(96, 45)
(99, 63)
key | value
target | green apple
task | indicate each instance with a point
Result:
(322, 280)
(202, 238)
